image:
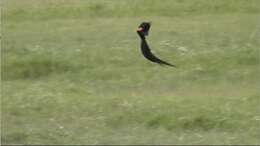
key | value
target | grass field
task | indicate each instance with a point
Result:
(72, 72)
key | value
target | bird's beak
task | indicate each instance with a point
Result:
(140, 29)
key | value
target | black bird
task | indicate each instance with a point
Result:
(143, 31)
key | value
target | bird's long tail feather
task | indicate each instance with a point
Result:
(165, 63)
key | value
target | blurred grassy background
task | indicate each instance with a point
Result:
(72, 72)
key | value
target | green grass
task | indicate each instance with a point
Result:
(72, 72)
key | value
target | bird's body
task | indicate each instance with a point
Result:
(142, 32)
(149, 55)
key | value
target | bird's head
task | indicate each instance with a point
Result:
(143, 29)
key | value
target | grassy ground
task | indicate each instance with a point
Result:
(72, 72)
